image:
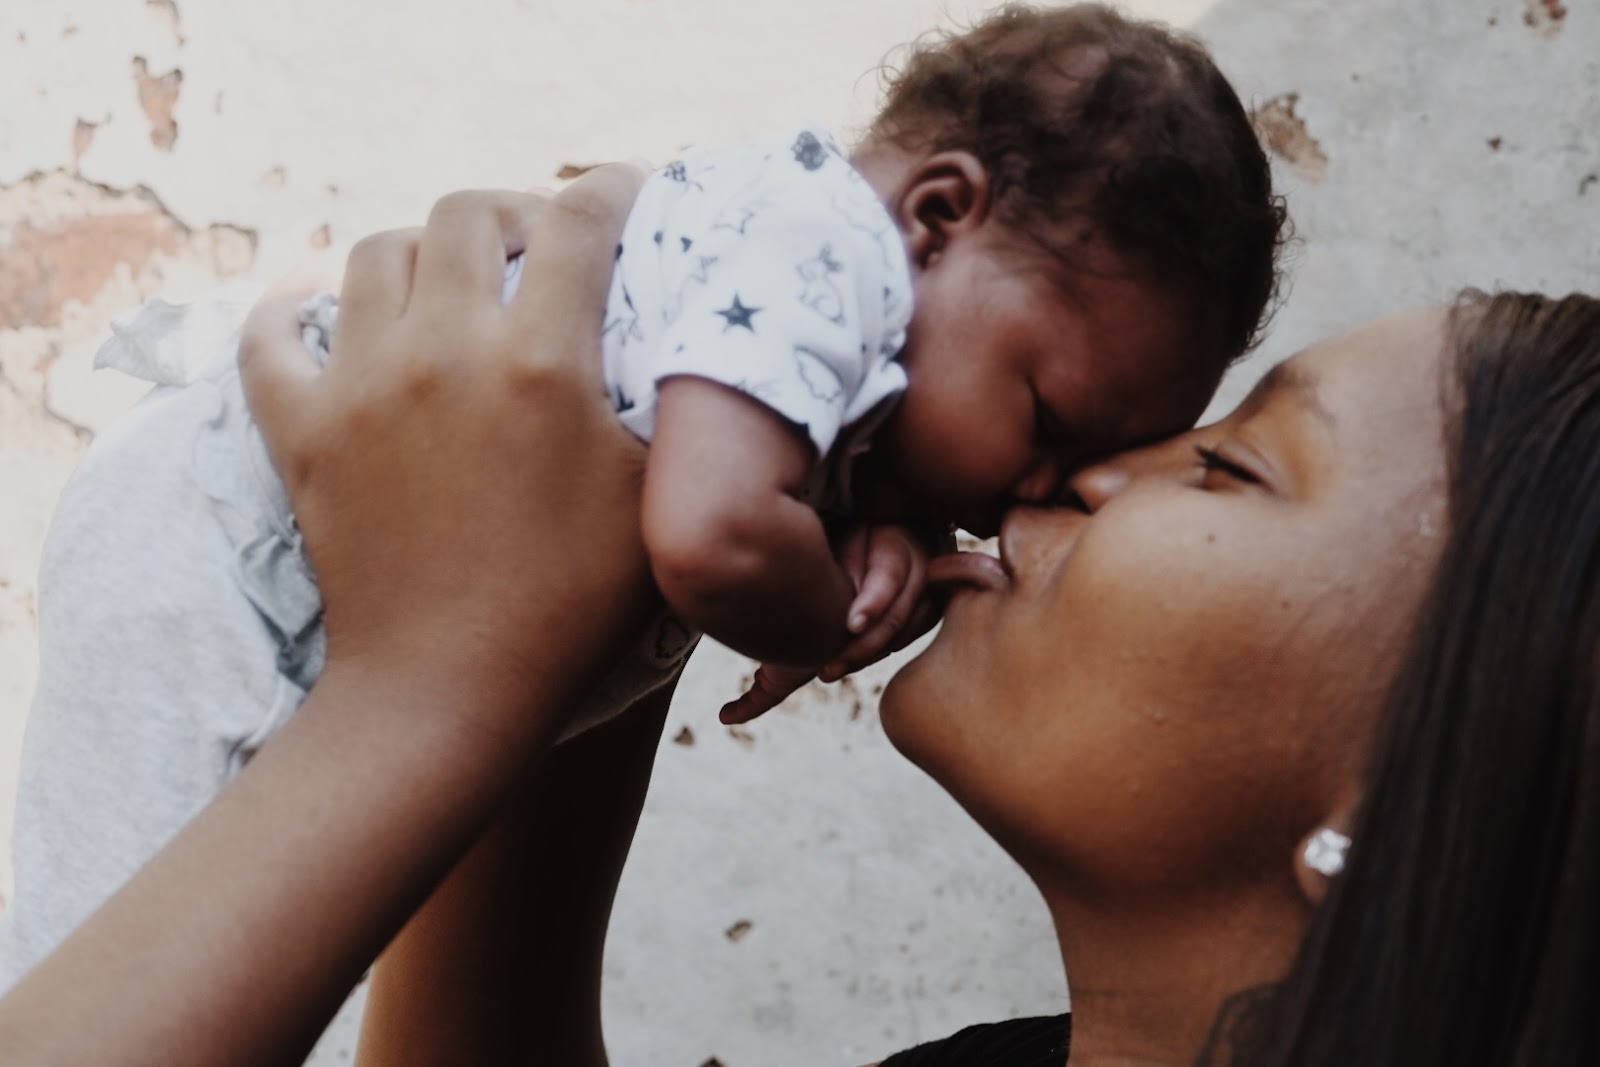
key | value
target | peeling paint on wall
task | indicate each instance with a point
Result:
(64, 239)
(167, 12)
(1287, 138)
(1545, 16)
(158, 95)
(82, 139)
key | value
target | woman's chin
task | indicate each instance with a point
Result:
(900, 697)
(912, 696)
(892, 701)
(923, 706)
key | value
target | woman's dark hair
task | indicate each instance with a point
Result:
(1097, 128)
(1466, 926)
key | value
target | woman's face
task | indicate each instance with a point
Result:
(1177, 681)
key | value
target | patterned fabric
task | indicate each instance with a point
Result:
(1038, 1042)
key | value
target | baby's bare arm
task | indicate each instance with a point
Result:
(735, 553)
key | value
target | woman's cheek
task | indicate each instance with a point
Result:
(1178, 601)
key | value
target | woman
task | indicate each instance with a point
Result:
(1155, 702)
(1465, 929)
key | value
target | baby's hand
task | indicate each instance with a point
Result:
(889, 567)
(771, 686)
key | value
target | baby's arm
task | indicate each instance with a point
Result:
(888, 566)
(734, 551)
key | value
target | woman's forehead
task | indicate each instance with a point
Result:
(1364, 410)
(1389, 366)
(1293, 379)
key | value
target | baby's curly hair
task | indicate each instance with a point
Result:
(1096, 129)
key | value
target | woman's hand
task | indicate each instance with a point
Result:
(459, 479)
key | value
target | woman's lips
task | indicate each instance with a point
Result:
(977, 569)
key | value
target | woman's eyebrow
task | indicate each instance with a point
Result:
(1294, 381)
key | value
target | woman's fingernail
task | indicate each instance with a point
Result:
(857, 622)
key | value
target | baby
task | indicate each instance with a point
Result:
(1052, 241)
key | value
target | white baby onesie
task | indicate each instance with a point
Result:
(180, 624)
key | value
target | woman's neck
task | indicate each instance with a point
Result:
(1152, 986)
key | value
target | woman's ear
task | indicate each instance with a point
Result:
(943, 198)
(1321, 854)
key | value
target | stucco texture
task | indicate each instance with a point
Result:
(798, 893)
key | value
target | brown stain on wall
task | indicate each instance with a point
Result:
(167, 12)
(1545, 16)
(158, 95)
(1286, 136)
(49, 259)
(82, 138)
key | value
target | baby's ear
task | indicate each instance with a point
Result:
(945, 197)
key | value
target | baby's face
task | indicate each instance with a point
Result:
(1016, 380)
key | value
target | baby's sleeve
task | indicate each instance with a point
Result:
(783, 293)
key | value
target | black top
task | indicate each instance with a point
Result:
(1040, 1042)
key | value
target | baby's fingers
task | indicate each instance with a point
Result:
(280, 378)
(888, 631)
(770, 687)
(852, 555)
(885, 579)
(879, 640)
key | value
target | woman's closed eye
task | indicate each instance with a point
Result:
(1217, 465)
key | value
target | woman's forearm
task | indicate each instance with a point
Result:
(239, 940)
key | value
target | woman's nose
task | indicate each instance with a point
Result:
(1100, 482)
(1097, 484)
(1041, 484)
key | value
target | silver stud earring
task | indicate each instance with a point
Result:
(1325, 852)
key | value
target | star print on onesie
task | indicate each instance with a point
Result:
(772, 268)
(810, 152)
(736, 314)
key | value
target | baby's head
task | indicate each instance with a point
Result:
(1093, 238)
